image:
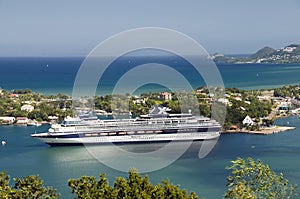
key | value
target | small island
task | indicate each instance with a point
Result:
(247, 111)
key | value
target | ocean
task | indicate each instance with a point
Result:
(53, 75)
(23, 155)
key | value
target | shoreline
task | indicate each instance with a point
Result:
(263, 131)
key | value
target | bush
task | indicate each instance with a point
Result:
(134, 187)
(252, 179)
(31, 187)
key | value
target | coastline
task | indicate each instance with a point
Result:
(263, 131)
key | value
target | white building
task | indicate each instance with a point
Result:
(166, 95)
(52, 117)
(27, 107)
(223, 101)
(22, 120)
(289, 49)
(237, 98)
(248, 121)
(139, 101)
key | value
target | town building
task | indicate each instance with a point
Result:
(27, 107)
(166, 96)
(52, 118)
(14, 95)
(139, 101)
(7, 120)
(223, 101)
(22, 120)
(248, 121)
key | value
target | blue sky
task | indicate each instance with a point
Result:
(75, 27)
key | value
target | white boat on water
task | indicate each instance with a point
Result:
(157, 126)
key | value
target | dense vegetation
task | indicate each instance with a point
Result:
(31, 187)
(134, 187)
(249, 179)
(292, 91)
(252, 179)
(249, 105)
(236, 110)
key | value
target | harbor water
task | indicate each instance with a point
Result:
(23, 155)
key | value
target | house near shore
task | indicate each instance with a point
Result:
(248, 121)
(7, 120)
(22, 120)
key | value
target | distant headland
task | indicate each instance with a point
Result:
(287, 54)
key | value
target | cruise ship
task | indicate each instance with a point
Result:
(157, 126)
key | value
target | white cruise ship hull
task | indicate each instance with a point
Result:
(53, 141)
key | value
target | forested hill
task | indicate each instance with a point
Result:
(287, 54)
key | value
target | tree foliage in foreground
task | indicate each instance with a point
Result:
(252, 179)
(134, 187)
(249, 179)
(31, 187)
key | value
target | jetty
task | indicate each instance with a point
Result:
(262, 131)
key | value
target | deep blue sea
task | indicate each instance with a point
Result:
(57, 75)
(23, 155)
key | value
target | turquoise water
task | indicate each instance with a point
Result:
(257, 76)
(23, 155)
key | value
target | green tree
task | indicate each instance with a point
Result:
(31, 187)
(39, 115)
(254, 180)
(134, 187)
(268, 122)
(4, 185)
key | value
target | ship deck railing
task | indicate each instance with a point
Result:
(140, 127)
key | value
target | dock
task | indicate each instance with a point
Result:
(262, 131)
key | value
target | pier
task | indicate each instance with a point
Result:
(263, 131)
